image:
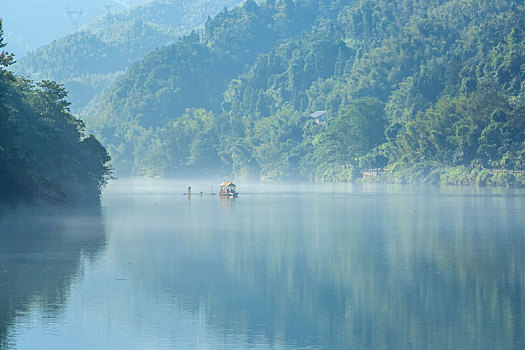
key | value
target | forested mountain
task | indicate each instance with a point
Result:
(434, 91)
(196, 70)
(89, 60)
(44, 153)
(194, 73)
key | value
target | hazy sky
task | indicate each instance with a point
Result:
(29, 24)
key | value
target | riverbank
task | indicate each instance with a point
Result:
(460, 175)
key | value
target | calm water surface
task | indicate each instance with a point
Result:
(280, 267)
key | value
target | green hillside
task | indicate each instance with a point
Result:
(194, 73)
(426, 91)
(90, 60)
(44, 153)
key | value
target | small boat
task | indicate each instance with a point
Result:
(228, 189)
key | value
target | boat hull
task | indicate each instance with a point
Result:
(228, 195)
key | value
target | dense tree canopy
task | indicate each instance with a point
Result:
(430, 91)
(44, 154)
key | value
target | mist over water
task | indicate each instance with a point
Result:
(288, 266)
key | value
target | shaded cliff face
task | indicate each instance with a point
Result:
(41, 254)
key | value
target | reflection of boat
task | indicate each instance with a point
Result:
(228, 189)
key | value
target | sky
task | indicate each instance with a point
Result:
(29, 24)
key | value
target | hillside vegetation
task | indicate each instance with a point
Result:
(426, 91)
(44, 154)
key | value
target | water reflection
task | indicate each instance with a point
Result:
(41, 253)
(307, 266)
(365, 267)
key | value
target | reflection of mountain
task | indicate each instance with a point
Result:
(371, 271)
(40, 255)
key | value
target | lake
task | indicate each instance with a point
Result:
(327, 266)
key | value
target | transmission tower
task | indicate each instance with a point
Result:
(108, 21)
(108, 9)
(74, 16)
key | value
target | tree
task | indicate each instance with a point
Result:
(6, 58)
(43, 152)
(359, 127)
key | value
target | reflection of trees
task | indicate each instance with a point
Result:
(40, 255)
(369, 271)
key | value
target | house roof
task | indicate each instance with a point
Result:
(224, 184)
(317, 114)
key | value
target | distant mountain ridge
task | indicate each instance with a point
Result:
(89, 60)
(30, 24)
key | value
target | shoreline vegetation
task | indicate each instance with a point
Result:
(45, 154)
(421, 174)
(459, 175)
